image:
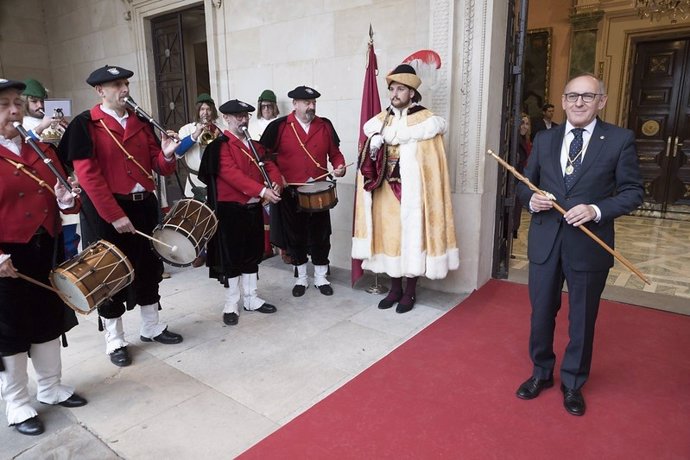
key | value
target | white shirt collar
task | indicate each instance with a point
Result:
(120, 119)
(589, 129)
(13, 145)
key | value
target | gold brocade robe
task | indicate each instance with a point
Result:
(416, 235)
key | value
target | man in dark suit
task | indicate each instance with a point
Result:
(591, 169)
(545, 122)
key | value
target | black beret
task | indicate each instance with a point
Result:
(6, 84)
(235, 106)
(108, 73)
(303, 92)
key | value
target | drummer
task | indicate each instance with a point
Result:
(236, 188)
(31, 318)
(194, 137)
(303, 144)
(114, 152)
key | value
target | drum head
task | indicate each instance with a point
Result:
(70, 292)
(316, 187)
(183, 255)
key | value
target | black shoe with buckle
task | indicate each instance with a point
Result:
(120, 357)
(166, 337)
(30, 427)
(231, 319)
(391, 299)
(265, 308)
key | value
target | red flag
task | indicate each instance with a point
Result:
(371, 106)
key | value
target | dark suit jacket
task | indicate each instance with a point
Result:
(539, 125)
(609, 178)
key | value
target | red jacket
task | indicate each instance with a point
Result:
(108, 171)
(293, 161)
(239, 179)
(24, 204)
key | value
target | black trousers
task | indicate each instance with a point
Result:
(303, 233)
(148, 268)
(238, 245)
(30, 314)
(584, 293)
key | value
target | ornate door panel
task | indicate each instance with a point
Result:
(171, 89)
(659, 115)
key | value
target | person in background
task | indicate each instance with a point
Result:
(268, 111)
(524, 149)
(543, 122)
(35, 121)
(194, 138)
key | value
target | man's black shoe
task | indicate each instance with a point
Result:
(73, 401)
(166, 337)
(31, 427)
(573, 401)
(531, 388)
(325, 289)
(265, 308)
(120, 357)
(298, 290)
(230, 319)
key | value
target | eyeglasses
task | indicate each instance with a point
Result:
(266, 106)
(241, 116)
(586, 97)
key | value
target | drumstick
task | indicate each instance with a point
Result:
(172, 248)
(317, 178)
(37, 283)
(329, 172)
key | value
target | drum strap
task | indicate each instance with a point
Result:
(251, 158)
(127, 154)
(318, 165)
(24, 169)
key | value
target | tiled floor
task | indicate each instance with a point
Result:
(659, 248)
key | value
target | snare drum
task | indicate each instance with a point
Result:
(187, 227)
(93, 276)
(318, 196)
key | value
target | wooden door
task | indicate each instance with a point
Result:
(660, 117)
(171, 88)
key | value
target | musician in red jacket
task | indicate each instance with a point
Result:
(32, 319)
(303, 144)
(237, 186)
(114, 152)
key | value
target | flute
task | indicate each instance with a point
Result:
(130, 102)
(587, 231)
(259, 161)
(30, 140)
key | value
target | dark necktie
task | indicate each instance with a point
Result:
(574, 158)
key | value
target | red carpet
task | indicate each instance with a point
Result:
(449, 392)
